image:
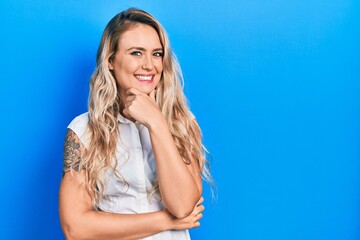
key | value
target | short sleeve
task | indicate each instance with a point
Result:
(79, 126)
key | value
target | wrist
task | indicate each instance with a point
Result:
(166, 220)
(157, 123)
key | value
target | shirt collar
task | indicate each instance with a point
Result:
(122, 119)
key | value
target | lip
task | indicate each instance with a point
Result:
(145, 78)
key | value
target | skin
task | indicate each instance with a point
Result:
(80, 221)
(140, 53)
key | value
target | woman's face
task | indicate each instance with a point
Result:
(138, 63)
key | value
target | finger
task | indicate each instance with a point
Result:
(198, 217)
(132, 91)
(126, 112)
(201, 200)
(200, 209)
(193, 225)
(152, 95)
(126, 106)
(130, 98)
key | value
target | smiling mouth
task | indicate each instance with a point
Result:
(144, 78)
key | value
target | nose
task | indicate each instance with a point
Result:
(147, 64)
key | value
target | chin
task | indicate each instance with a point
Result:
(146, 90)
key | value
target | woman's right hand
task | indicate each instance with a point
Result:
(191, 221)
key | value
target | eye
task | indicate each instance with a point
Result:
(158, 54)
(136, 53)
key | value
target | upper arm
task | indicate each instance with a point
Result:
(194, 169)
(194, 166)
(73, 152)
(73, 196)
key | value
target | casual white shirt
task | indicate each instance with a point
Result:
(136, 165)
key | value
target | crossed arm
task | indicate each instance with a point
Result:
(180, 184)
(80, 221)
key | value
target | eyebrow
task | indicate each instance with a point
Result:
(143, 49)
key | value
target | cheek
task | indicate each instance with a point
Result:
(130, 67)
(159, 66)
(124, 71)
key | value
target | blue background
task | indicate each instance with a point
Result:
(274, 85)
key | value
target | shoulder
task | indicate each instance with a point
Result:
(82, 119)
(79, 126)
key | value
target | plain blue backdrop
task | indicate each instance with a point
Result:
(274, 85)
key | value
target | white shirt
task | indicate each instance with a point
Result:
(136, 164)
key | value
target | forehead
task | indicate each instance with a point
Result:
(140, 35)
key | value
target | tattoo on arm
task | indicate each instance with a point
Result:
(72, 152)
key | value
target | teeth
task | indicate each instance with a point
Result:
(144, 78)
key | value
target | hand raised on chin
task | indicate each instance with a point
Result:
(142, 107)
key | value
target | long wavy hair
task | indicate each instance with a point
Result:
(104, 106)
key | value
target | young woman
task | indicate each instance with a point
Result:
(133, 162)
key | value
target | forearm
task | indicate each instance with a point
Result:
(178, 187)
(110, 226)
(180, 184)
(80, 222)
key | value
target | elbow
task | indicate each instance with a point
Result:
(75, 227)
(73, 233)
(182, 212)
(70, 234)
(183, 208)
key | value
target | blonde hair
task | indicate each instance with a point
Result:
(104, 106)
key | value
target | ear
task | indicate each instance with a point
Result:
(111, 67)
